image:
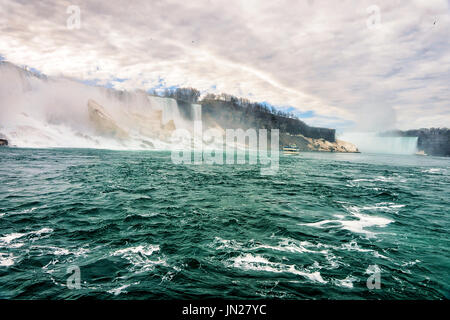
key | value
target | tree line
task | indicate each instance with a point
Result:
(192, 95)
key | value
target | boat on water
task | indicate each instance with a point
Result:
(291, 149)
(421, 153)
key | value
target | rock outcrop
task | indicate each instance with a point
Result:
(149, 124)
(103, 123)
(3, 143)
(321, 145)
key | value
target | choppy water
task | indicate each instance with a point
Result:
(139, 226)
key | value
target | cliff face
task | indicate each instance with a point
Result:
(3, 142)
(228, 114)
(434, 141)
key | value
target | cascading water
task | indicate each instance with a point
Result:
(168, 106)
(374, 143)
(196, 112)
(36, 112)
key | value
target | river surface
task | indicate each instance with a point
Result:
(137, 226)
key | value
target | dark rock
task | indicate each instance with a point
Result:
(3, 142)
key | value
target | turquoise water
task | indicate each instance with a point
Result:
(138, 226)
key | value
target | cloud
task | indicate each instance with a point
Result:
(313, 55)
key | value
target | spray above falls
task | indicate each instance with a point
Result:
(372, 142)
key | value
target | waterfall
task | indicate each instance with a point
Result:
(36, 112)
(168, 106)
(373, 143)
(196, 112)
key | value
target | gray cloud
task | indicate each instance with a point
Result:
(313, 55)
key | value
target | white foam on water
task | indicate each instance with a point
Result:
(10, 240)
(435, 171)
(11, 237)
(394, 178)
(333, 260)
(57, 251)
(29, 210)
(353, 246)
(6, 260)
(19, 212)
(221, 244)
(398, 206)
(381, 206)
(139, 257)
(250, 262)
(356, 226)
(358, 221)
(51, 263)
(145, 250)
(289, 245)
(365, 221)
(345, 283)
(410, 263)
(42, 231)
(284, 245)
(121, 289)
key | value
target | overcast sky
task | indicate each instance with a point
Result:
(343, 64)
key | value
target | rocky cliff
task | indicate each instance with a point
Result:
(321, 145)
(3, 142)
(231, 115)
(234, 115)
